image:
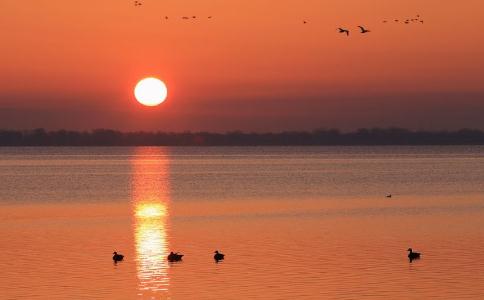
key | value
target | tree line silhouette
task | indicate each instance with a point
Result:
(319, 137)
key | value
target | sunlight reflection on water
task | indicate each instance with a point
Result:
(295, 223)
(150, 199)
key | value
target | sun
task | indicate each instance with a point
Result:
(150, 91)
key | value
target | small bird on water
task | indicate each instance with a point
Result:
(174, 257)
(218, 256)
(413, 255)
(117, 257)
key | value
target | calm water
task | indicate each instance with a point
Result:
(294, 222)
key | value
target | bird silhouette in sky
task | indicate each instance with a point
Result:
(137, 3)
(342, 30)
(305, 22)
(363, 29)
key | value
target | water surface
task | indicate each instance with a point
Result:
(310, 222)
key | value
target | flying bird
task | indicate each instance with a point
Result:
(305, 22)
(363, 30)
(342, 30)
(185, 18)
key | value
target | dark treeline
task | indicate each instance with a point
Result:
(105, 137)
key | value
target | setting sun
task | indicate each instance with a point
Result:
(150, 91)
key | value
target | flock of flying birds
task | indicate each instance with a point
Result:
(138, 3)
(362, 29)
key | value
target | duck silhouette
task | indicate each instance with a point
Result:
(218, 256)
(388, 195)
(174, 257)
(413, 255)
(117, 257)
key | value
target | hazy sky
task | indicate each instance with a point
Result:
(253, 66)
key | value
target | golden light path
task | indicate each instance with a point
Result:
(150, 200)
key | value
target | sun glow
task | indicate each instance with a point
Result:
(150, 91)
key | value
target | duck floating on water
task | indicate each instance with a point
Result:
(218, 256)
(117, 257)
(413, 255)
(174, 257)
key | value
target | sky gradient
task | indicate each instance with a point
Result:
(254, 66)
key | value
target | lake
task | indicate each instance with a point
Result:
(294, 222)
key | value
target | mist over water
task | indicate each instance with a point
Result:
(294, 222)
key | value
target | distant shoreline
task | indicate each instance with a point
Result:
(320, 137)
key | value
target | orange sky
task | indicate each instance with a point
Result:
(254, 66)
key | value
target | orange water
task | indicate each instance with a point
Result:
(293, 222)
